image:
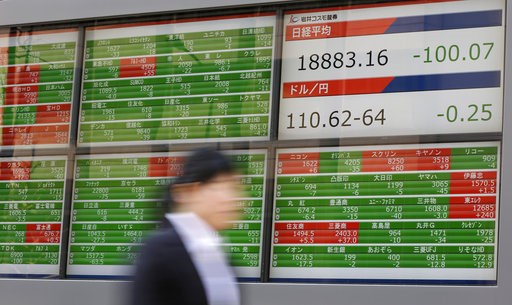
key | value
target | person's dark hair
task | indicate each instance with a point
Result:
(204, 164)
(201, 166)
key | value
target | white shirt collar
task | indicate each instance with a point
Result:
(193, 228)
(202, 244)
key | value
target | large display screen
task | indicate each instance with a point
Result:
(117, 202)
(186, 81)
(424, 77)
(31, 209)
(36, 88)
(402, 212)
(393, 69)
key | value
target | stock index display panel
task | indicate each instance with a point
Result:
(117, 202)
(402, 212)
(393, 69)
(36, 88)
(31, 208)
(184, 81)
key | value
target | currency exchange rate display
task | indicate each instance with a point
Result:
(393, 69)
(388, 213)
(117, 203)
(190, 80)
(31, 208)
(36, 88)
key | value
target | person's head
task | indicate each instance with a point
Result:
(208, 187)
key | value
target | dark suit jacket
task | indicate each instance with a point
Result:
(165, 273)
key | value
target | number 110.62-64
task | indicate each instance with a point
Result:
(344, 118)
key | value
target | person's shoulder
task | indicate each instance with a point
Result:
(160, 246)
(164, 236)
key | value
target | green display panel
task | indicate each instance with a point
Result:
(117, 203)
(184, 81)
(401, 212)
(36, 88)
(31, 207)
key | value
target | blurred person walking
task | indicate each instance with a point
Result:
(182, 263)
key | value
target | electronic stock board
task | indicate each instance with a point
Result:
(117, 202)
(31, 212)
(36, 88)
(390, 213)
(185, 81)
(417, 68)
(351, 213)
(414, 212)
(36, 92)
